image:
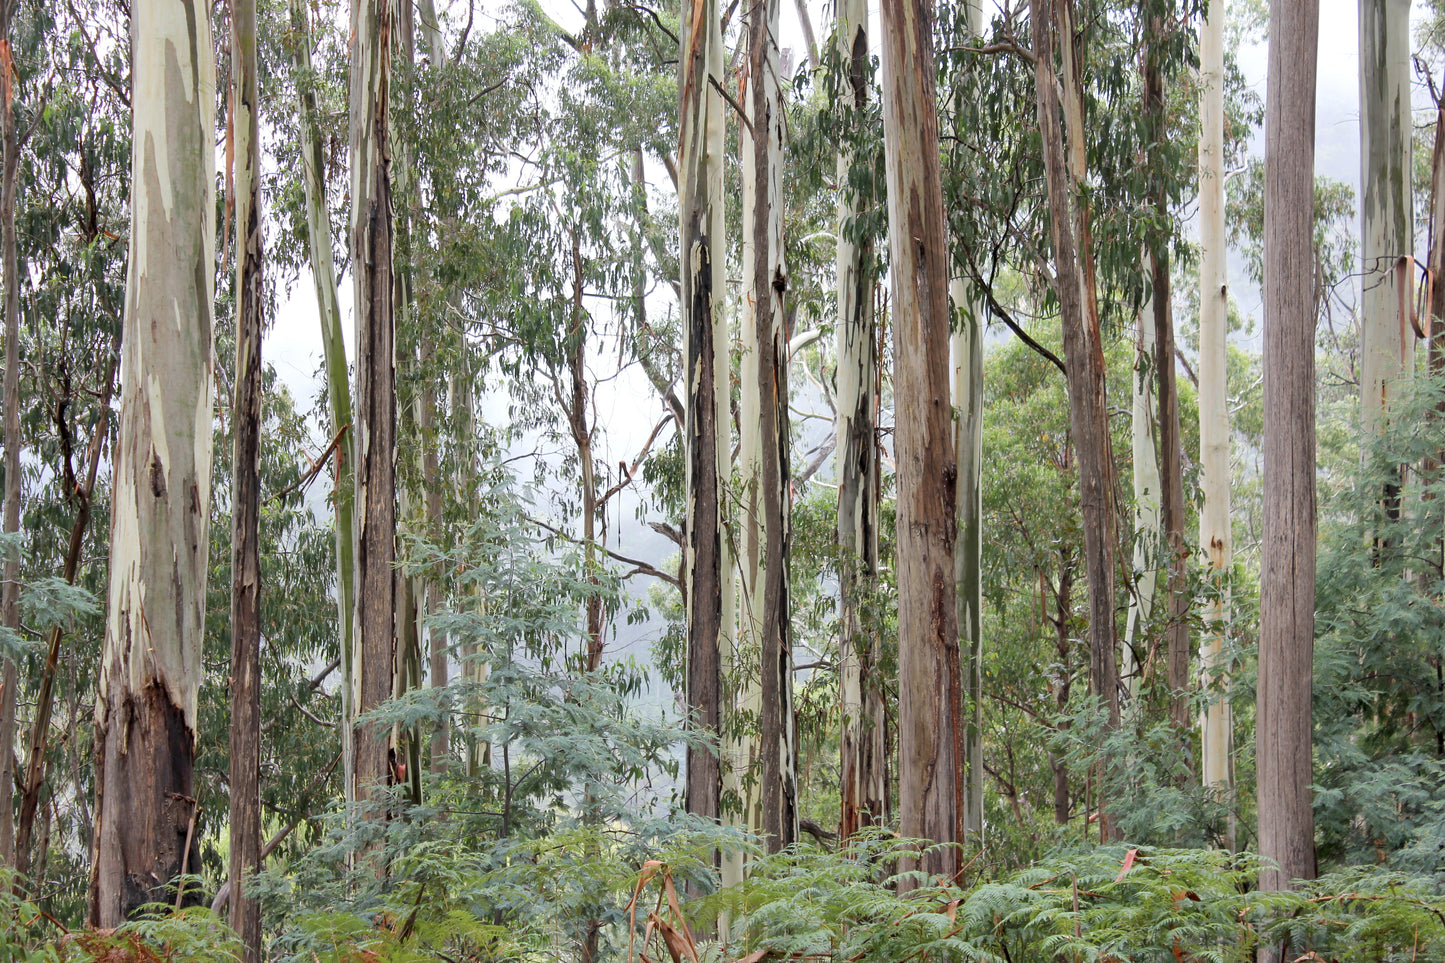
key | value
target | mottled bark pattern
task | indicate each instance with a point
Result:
(245, 815)
(864, 746)
(160, 522)
(1287, 557)
(766, 291)
(375, 437)
(700, 209)
(930, 776)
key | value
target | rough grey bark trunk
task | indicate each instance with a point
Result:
(375, 435)
(150, 671)
(245, 801)
(930, 764)
(1287, 562)
(705, 359)
(10, 592)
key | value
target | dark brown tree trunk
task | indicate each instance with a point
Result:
(930, 748)
(245, 816)
(1287, 562)
(375, 435)
(1084, 358)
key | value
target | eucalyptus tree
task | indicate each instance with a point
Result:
(145, 808)
(1287, 564)
(863, 788)
(10, 267)
(702, 247)
(1386, 228)
(245, 810)
(1215, 526)
(1144, 450)
(1160, 28)
(338, 389)
(966, 349)
(763, 427)
(929, 669)
(374, 443)
(1058, 93)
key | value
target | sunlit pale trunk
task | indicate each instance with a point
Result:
(1147, 536)
(338, 387)
(705, 372)
(10, 592)
(145, 710)
(1287, 555)
(1386, 234)
(245, 796)
(373, 654)
(1216, 722)
(1083, 347)
(864, 783)
(930, 764)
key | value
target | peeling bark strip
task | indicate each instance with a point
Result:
(245, 814)
(864, 784)
(700, 208)
(1287, 560)
(930, 764)
(150, 669)
(375, 437)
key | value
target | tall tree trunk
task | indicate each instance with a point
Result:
(929, 670)
(1147, 534)
(338, 387)
(967, 353)
(767, 285)
(1287, 558)
(1170, 448)
(864, 783)
(705, 358)
(1386, 233)
(1083, 346)
(966, 342)
(145, 726)
(10, 592)
(1216, 724)
(375, 437)
(245, 815)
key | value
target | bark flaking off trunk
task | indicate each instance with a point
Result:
(160, 523)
